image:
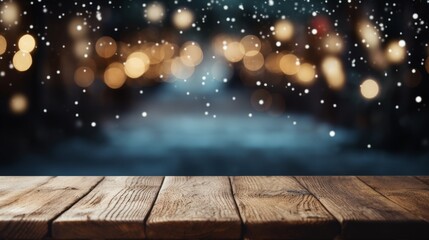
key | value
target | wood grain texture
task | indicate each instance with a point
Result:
(424, 179)
(115, 209)
(27, 216)
(194, 208)
(280, 208)
(11, 188)
(364, 213)
(408, 192)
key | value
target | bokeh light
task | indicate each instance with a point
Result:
(3, 44)
(84, 76)
(137, 64)
(27, 43)
(114, 75)
(289, 64)
(395, 53)
(234, 51)
(181, 70)
(250, 45)
(18, 103)
(22, 61)
(306, 74)
(155, 12)
(183, 18)
(105, 47)
(369, 89)
(283, 30)
(253, 62)
(191, 54)
(10, 12)
(332, 68)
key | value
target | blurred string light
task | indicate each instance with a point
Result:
(283, 30)
(22, 61)
(154, 12)
(183, 18)
(306, 73)
(369, 89)
(84, 76)
(3, 44)
(114, 75)
(105, 47)
(137, 64)
(191, 54)
(332, 69)
(289, 64)
(27, 43)
(9, 13)
(396, 51)
(18, 103)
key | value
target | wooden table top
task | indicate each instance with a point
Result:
(340, 207)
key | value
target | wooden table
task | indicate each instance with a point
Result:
(345, 207)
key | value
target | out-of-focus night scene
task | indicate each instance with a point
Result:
(225, 87)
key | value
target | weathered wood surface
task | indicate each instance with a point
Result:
(115, 209)
(27, 215)
(363, 212)
(194, 208)
(280, 208)
(214, 207)
(408, 192)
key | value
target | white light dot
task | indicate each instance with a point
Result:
(418, 99)
(415, 16)
(144, 114)
(45, 110)
(278, 44)
(314, 31)
(261, 102)
(93, 124)
(250, 115)
(368, 146)
(332, 133)
(402, 43)
(117, 116)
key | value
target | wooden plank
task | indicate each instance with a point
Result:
(364, 213)
(280, 208)
(115, 209)
(194, 208)
(27, 216)
(408, 192)
(424, 179)
(13, 187)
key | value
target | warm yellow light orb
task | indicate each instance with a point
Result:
(183, 18)
(137, 64)
(251, 45)
(84, 76)
(191, 54)
(369, 89)
(306, 73)
(3, 44)
(18, 103)
(253, 62)
(155, 12)
(283, 30)
(22, 61)
(395, 53)
(114, 75)
(181, 70)
(289, 64)
(27, 43)
(332, 68)
(105, 47)
(234, 51)
(10, 13)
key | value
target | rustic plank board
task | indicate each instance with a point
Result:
(115, 209)
(408, 192)
(27, 216)
(424, 179)
(364, 213)
(194, 208)
(13, 187)
(280, 208)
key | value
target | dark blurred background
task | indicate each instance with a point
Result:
(214, 87)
